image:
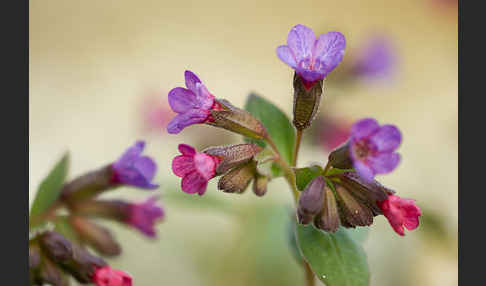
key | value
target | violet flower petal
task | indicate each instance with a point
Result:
(301, 41)
(387, 138)
(182, 100)
(384, 163)
(191, 80)
(364, 128)
(287, 56)
(328, 51)
(181, 121)
(363, 170)
(146, 166)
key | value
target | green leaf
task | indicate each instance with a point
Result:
(276, 122)
(303, 176)
(50, 187)
(335, 258)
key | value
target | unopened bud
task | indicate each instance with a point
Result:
(340, 158)
(238, 179)
(233, 155)
(368, 192)
(34, 255)
(72, 258)
(328, 218)
(260, 185)
(57, 247)
(306, 102)
(354, 213)
(310, 201)
(98, 237)
(50, 273)
(88, 185)
(237, 120)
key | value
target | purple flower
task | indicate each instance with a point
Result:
(193, 104)
(144, 215)
(134, 169)
(312, 58)
(376, 59)
(372, 148)
(195, 169)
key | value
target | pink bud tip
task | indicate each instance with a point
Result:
(107, 276)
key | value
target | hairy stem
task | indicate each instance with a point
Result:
(290, 177)
(298, 139)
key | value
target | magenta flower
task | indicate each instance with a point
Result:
(134, 169)
(195, 169)
(144, 215)
(401, 213)
(312, 58)
(193, 104)
(372, 148)
(376, 59)
(107, 276)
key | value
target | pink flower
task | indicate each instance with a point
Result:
(107, 276)
(400, 212)
(195, 169)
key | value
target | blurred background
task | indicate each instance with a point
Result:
(99, 76)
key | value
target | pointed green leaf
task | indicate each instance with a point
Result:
(335, 258)
(303, 176)
(50, 187)
(276, 122)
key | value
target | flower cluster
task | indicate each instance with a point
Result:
(344, 193)
(53, 255)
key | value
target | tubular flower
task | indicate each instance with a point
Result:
(107, 276)
(312, 58)
(193, 104)
(144, 215)
(372, 147)
(376, 59)
(400, 213)
(134, 169)
(195, 169)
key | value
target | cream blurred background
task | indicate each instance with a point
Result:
(92, 63)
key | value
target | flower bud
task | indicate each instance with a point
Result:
(50, 273)
(339, 157)
(233, 155)
(238, 179)
(306, 102)
(367, 192)
(58, 248)
(98, 237)
(353, 212)
(237, 120)
(310, 201)
(34, 255)
(72, 258)
(88, 185)
(328, 218)
(260, 185)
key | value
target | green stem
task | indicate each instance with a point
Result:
(298, 139)
(290, 176)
